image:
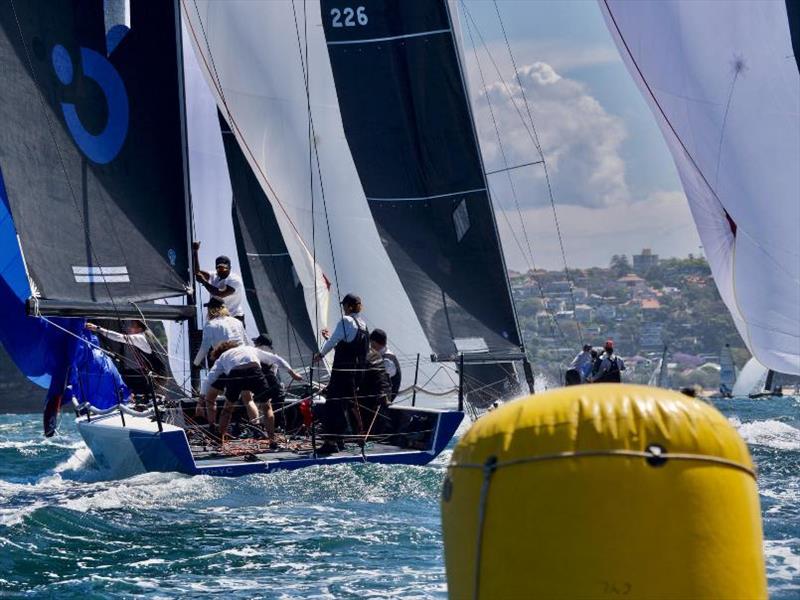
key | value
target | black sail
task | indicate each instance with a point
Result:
(91, 149)
(407, 120)
(274, 292)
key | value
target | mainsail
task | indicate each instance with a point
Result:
(274, 291)
(727, 104)
(94, 205)
(407, 119)
(91, 159)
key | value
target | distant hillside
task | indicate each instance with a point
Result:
(641, 306)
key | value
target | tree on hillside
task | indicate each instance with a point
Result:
(620, 265)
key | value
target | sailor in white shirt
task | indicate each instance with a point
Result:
(241, 367)
(223, 283)
(220, 327)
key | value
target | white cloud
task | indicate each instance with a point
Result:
(580, 139)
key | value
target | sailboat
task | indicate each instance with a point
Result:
(107, 232)
(660, 376)
(727, 106)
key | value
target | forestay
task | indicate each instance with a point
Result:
(722, 79)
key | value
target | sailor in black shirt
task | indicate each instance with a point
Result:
(350, 340)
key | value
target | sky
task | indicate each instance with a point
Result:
(614, 185)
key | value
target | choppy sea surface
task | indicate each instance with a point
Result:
(344, 531)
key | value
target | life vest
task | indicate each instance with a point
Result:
(612, 375)
(395, 381)
(351, 357)
(375, 386)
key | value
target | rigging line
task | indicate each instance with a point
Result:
(527, 164)
(306, 66)
(528, 258)
(505, 159)
(503, 82)
(739, 67)
(310, 179)
(58, 151)
(544, 165)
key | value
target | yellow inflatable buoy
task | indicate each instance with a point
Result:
(603, 491)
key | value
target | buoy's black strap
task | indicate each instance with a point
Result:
(666, 456)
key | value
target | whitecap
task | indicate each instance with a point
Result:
(770, 433)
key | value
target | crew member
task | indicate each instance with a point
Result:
(611, 366)
(223, 283)
(220, 327)
(374, 393)
(142, 354)
(276, 392)
(350, 339)
(583, 362)
(377, 341)
(242, 367)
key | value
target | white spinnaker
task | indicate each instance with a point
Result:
(252, 60)
(721, 78)
(751, 380)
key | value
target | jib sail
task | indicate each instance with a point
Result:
(407, 120)
(273, 288)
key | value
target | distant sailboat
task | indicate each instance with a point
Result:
(660, 376)
(726, 103)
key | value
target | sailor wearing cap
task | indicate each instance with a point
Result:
(350, 340)
(610, 367)
(220, 327)
(223, 284)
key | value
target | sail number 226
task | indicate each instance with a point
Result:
(347, 17)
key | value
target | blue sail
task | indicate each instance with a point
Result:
(52, 352)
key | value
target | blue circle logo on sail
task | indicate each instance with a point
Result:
(103, 147)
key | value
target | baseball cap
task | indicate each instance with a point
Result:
(223, 260)
(214, 303)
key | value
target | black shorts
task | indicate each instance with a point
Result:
(249, 379)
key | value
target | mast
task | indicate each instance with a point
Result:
(191, 296)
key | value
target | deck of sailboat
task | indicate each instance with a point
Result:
(208, 458)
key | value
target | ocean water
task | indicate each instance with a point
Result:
(344, 532)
